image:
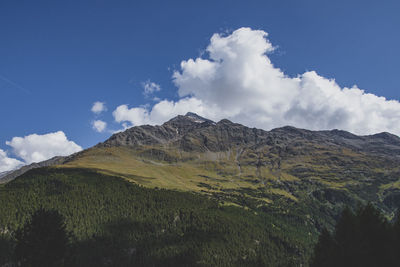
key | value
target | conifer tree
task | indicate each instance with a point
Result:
(43, 240)
(323, 250)
(362, 239)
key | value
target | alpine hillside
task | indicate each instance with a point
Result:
(166, 189)
(225, 159)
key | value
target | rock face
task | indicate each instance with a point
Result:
(171, 131)
(194, 133)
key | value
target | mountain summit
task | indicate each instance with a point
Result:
(196, 118)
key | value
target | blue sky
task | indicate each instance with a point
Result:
(59, 57)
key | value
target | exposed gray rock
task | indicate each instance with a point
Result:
(2, 174)
(194, 133)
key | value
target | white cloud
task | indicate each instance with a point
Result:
(98, 107)
(36, 148)
(137, 116)
(237, 80)
(8, 164)
(150, 87)
(99, 125)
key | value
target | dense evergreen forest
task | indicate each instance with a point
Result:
(111, 222)
(89, 219)
(364, 238)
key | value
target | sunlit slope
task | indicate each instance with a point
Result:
(185, 175)
(212, 172)
(262, 173)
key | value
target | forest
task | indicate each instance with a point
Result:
(85, 218)
(112, 222)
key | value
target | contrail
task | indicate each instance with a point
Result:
(15, 85)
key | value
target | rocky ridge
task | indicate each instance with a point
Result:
(192, 132)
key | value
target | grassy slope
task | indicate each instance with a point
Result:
(207, 173)
(237, 169)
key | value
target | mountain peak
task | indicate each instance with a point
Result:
(186, 120)
(196, 118)
(225, 121)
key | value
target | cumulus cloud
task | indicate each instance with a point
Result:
(237, 80)
(150, 87)
(36, 148)
(98, 107)
(99, 125)
(7, 163)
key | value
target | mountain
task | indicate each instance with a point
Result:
(196, 154)
(295, 181)
(218, 158)
(193, 153)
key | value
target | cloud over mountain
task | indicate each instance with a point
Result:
(7, 163)
(36, 148)
(237, 80)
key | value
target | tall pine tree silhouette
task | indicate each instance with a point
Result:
(362, 239)
(43, 240)
(323, 250)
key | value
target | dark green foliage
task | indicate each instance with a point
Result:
(396, 236)
(323, 249)
(6, 248)
(43, 240)
(364, 238)
(117, 223)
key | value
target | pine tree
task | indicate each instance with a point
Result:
(345, 236)
(374, 238)
(323, 251)
(363, 239)
(43, 240)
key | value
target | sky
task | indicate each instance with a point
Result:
(74, 72)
